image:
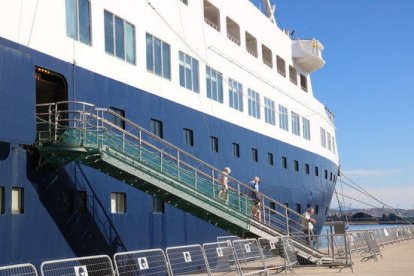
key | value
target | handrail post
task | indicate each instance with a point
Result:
(56, 123)
(140, 143)
(287, 221)
(263, 210)
(178, 164)
(161, 157)
(214, 188)
(239, 196)
(195, 179)
(123, 142)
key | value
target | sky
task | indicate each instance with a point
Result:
(366, 83)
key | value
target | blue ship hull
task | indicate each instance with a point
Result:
(46, 231)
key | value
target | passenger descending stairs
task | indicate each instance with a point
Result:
(102, 139)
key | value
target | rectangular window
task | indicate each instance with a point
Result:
(316, 171)
(118, 203)
(293, 75)
(158, 57)
(188, 137)
(269, 111)
(328, 138)
(326, 210)
(236, 150)
(82, 202)
(119, 37)
(330, 176)
(1, 200)
(307, 169)
(298, 208)
(188, 68)
(157, 206)
(214, 81)
(255, 155)
(323, 138)
(281, 66)
(270, 158)
(17, 201)
(296, 165)
(156, 128)
(214, 144)
(117, 120)
(316, 209)
(68, 201)
(333, 145)
(235, 95)
(308, 206)
(254, 103)
(283, 118)
(303, 83)
(78, 20)
(326, 174)
(284, 162)
(306, 129)
(295, 123)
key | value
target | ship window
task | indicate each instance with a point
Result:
(188, 72)
(158, 57)
(118, 203)
(158, 206)
(284, 162)
(254, 103)
(214, 144)
(211, 15)
(235, 95)
(330, 177)
(233, 31)
(303, 83)
(306, 129)
(214, 82)
(293, 75)
(283, 118)
(272, 206)
(298, 208)
(156, 128)
(295, 123)
(308, 206)
(117, 120)
(267, 56)
(1, 200)
(328, 139)
(316, 209)
(78, 20)
(323, 137)
(184, 1)
(251, 44)
(269, 111)
(307, 168)
(82, 202)
(281, 66)
(316, 171)
(188, 137)
(326, 174)
(296, 165)
(17, 201)
(287, 207)
(236, 150)
(270, 158)
(119, 37)
(68, 202)
(333, 145)
(326, 210)
(255, 155)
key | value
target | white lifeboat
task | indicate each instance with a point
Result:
(307, 53)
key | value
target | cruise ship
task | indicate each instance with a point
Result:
(218, 80)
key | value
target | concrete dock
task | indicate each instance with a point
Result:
(398, 259)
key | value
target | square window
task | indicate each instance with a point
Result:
(17, 202)
(157, 206)
(255, 155)
(284, 162)
(188, 137)
(214, 144)
(270, 158)
(156, 128)
(236, 150)
(118, 203)
(117, 120)
(82, 202)
(296, 165)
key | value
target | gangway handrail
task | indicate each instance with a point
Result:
(94, 111)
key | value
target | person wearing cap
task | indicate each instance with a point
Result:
(253, 194)
(223, 180)
(307, 224)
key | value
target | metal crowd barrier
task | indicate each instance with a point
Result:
(143, 262)
(94, 265)
(18, 270)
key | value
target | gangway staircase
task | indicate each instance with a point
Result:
(102, 139)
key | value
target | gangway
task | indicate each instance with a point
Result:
(102, 139)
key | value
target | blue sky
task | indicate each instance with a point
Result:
(366, 83)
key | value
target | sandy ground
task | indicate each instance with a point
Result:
(398, 259)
